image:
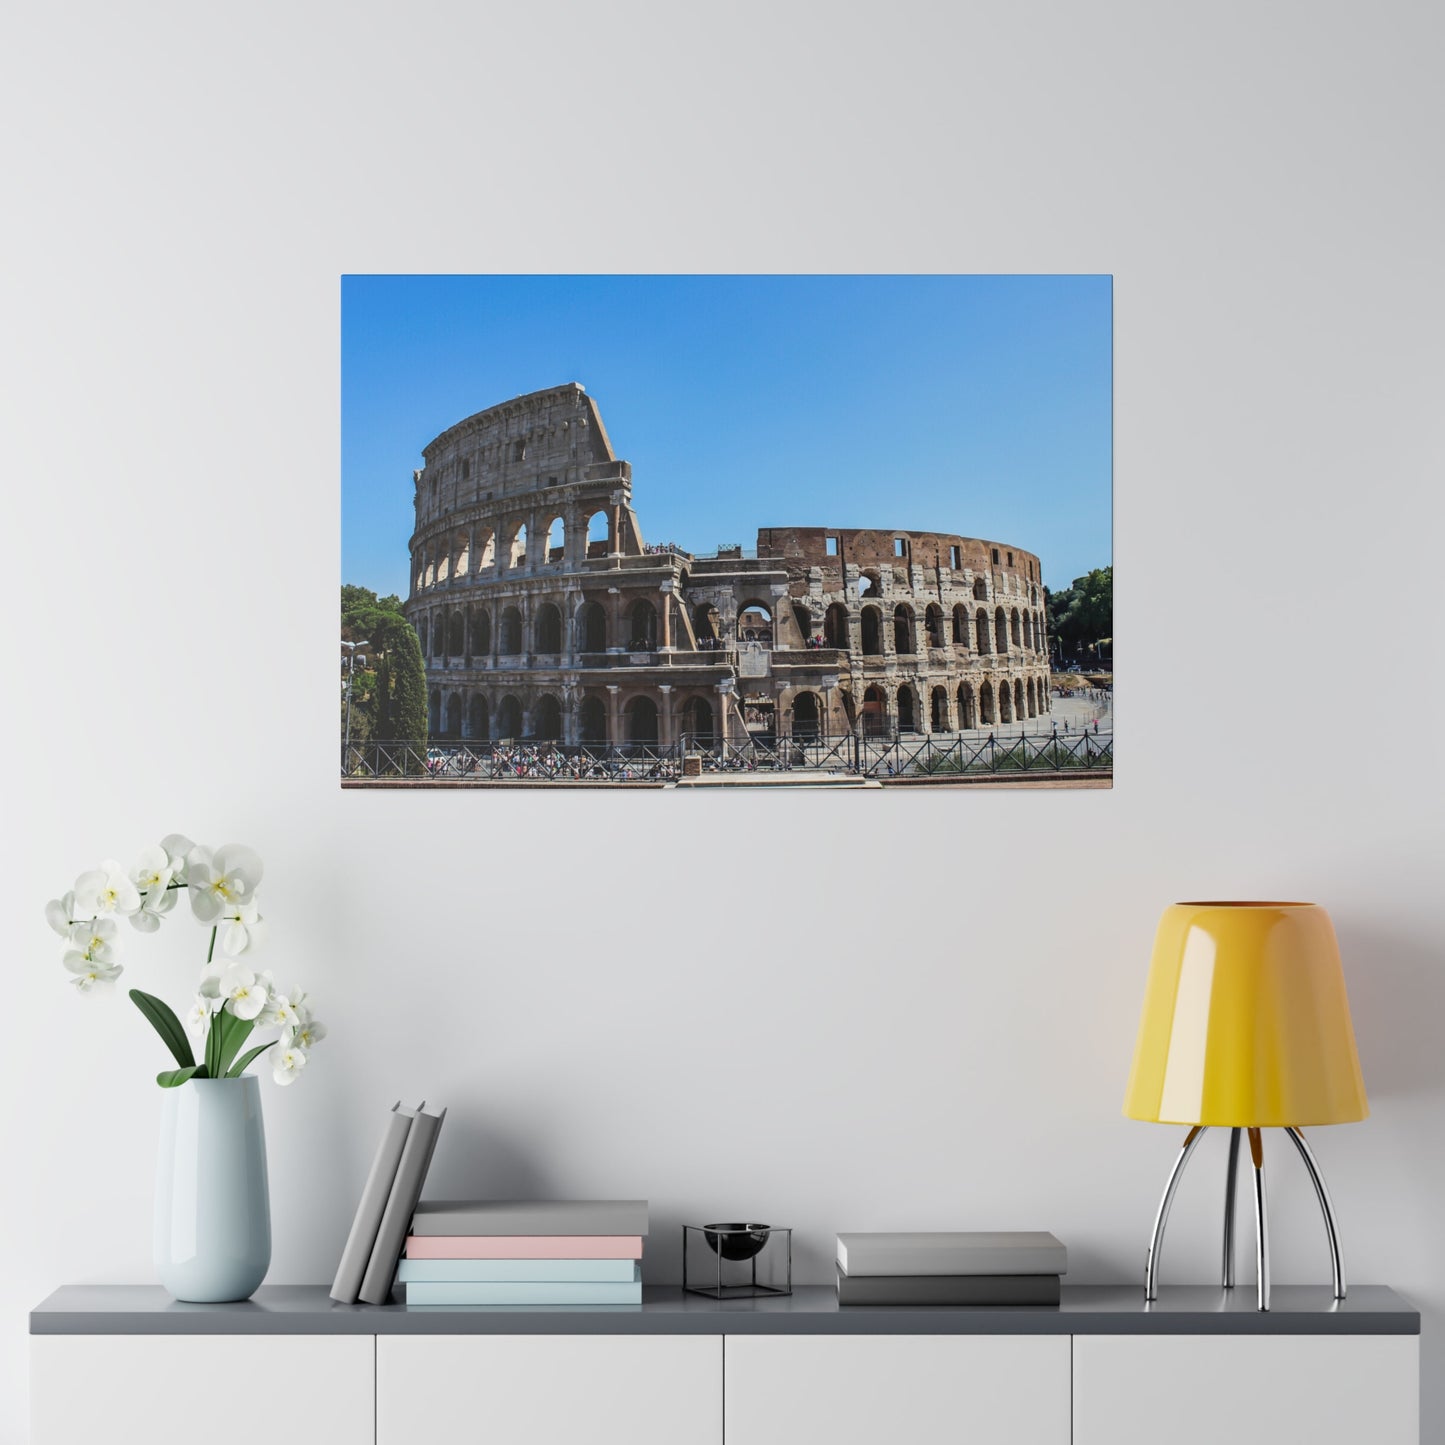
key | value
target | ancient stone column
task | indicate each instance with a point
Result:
(614, 715)
(664, 715)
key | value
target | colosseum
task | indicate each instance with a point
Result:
(543, 614)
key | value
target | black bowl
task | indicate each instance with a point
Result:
(736, 1241)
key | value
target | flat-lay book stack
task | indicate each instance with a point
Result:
(552, 1252)
(959, 1268)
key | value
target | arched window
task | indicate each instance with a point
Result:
(509, 719)
(481, 632)
(439, 634)
(641, 718)
(940, 720)
(903, 638)
(706, 625)
(872, 620)
(1019, 712)
(1000, 630)
(804, 619)
(642, 620)
(462, 551)
(985, 704)
(697, 721)
(599, 535)
(517, 552)
(967, 710)
(478, 724)
(1005, 703)
(592, 720)
(805, 715)
(434, 713)
(980, 632)
(980, 590)
(547, 719)
(755, 623)
(556, 543)
(421, 631)
(868, 584)
(933, 625)
(456, 640)
(454, 715)
(1028, 633)
(548, 628)
(1014, 633)
(486, 549)
(1029, 694)
(960, 626)
(875, 713)
(835, 625)
(907, 710)
(592, 627)
(509, 637)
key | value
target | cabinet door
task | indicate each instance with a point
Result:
(548, 1390)
(898, 1389)
(220, 1389)
(1247, 1389)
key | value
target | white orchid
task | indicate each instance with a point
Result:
(153, 870)
(60, 913)
(198, 1019)
(243, 930)
(178, 849)
(244, 993)
(89, 972)
(94, 939)
(308, 1034)
(286, 1063)
(105, 889)
(216, 881)
(279, 1011)
(155, 906)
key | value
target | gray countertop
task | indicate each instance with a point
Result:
(1085, 1310)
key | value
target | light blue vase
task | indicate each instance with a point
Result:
(213, 1210)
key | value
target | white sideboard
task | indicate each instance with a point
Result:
(122, 1365)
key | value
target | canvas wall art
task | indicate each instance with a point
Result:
(726, 531)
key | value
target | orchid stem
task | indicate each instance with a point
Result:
(210, 952)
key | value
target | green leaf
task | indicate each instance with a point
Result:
(234, 1032)
(167, 1025)
(249, 1058)
(172, 1078)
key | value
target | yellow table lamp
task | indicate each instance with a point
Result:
(1246, 1026)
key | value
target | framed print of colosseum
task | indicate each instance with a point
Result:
(725, 531)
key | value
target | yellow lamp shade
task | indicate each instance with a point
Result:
(1246, 1023)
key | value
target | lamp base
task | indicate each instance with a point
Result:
(1261, 1212)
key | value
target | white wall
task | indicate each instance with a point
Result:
(937, 1024)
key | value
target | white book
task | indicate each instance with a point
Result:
(952, 1252)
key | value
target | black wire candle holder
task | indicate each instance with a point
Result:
(737, 1261)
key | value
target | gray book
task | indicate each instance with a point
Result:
(421, 1140)
(531, 1217)
(356, 1254)
(948, 1289)
(956, 1252)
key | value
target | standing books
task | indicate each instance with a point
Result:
(416, 1155)
(356, 1254)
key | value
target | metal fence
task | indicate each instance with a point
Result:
(909, 755)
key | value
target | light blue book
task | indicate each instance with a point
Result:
(519, 1271)
(555, 1292)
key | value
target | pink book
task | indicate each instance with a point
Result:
(524, 1246)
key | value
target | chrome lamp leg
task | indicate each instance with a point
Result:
(1156, 1239)
(1230, 1181)
(1332, 1230)
(1261, 1219)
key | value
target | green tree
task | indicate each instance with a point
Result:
(1082, 616)
(389, 694)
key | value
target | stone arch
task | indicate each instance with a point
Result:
(874, 713)
(478, 720)
(1019, 712)
(599, 538)
(980, 590)
(456, 634)
(967, 706)
(517, 547)
(985, 704)
(454, 715)
(592, 627)
(835, 625)
(1028, 632)
(706, 623)
(1015, 634)
(1000, 630)
(907, 709)
(461, 554)
(697, 720)
(640, 720)
(547, 628)
(509, 633)
(904, 637)
(434, 712)
(421, 634)
(439, 634)
(755, 623)
(807, 715)
(960, 626)
(869, 584)
(554, 544)
(872, 620)
(933, 625)
(981, 632)
(642, 626)
(592, 720)
(1030, 697)
(804, 618)
(486, 550)
(481, 638)
(939, 718)
(547, 718)
(509, 718)
(1005, 702)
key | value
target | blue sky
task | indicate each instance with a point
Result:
(978, 405)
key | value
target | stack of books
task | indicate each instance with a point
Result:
(959, 1268)
(491, 1252)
